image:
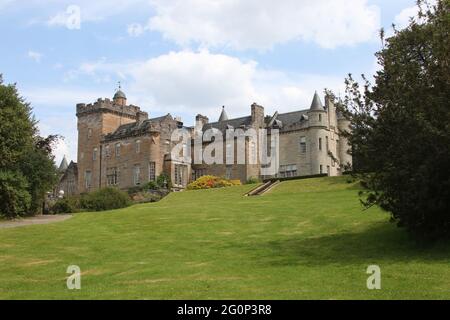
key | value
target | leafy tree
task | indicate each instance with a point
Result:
(27, 170)
(16, 126)
(14, 197)
(400, 126)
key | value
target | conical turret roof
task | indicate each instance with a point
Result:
(64, 165)
(317, 104)
(223, 115)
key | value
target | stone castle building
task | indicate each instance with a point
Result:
(119, 145)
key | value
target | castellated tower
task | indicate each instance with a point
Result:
(94, 122)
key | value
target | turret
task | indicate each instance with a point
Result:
(318, 136)
(317, 114)
(64, 165)
(223, 115)
(120, 98)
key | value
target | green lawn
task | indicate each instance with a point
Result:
(306, 239)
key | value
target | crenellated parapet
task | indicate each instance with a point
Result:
(109, 106)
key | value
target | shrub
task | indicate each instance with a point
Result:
(66, 205)
(15, 200)
(105, 199)
(253, 180)
(164, 179)
(152, 185)
(211, 182)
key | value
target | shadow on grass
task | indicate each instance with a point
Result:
(381, 243)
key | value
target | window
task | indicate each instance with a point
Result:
(320, 118)
(118, 150)
(137, 175)
(138, 146)
(320, 144)
(229, 172)
(185, 151)
(321, 169)
(112, 176)
(179, 175)
(252, 153)
(288, 171)
(196, 174)
(328, 170)
(303, 145)
(327, 143)
(107, 151)
(94, 154)
(89, 133)
(88, 179)
(152, 171)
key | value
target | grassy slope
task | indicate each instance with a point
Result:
(305, 239)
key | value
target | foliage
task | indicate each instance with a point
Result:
(25, 157)
(253, 180)
(67, 205)
(400, 126)
(211, 182)
(164, 181)
(105, 199)
(14, 197)
(152, 185)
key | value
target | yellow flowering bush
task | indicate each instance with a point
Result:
(212, 182)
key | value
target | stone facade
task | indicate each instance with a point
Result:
(118, 145)
(68, 182)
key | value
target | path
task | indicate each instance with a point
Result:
(33, 221)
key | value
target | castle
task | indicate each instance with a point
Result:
(120, 146)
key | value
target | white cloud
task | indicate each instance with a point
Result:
(35, 56)
(181, 83)
(188, 82)
(263, 23)
(70, 18)
(403, 18)
(135, 29)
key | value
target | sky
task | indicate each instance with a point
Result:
(186, 57)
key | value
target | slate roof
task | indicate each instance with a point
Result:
(64, 165)
(317, 103)
(120, 94)
(286, 120)
(228, 124)
(223, 115)
(136, 128)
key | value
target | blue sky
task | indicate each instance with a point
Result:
(186, 57)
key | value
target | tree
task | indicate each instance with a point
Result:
(27, 170)
(401, 125)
